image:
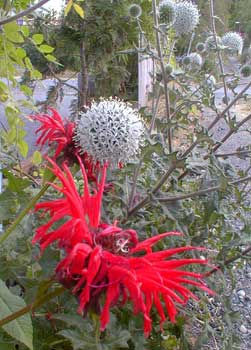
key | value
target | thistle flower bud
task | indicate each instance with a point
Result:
(233, 42)
(167, 11)
(196, 59)
(210, 81)
(210, 43)
(135, 11)
(200, 47)
(186, 60)
(109, 131)
(246, 71)
(186, 17)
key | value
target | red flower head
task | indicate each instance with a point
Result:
(59, 133)
(104, 259)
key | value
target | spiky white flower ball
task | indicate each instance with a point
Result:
(135, 11)
(210, 43)
(210, 81)
(167, 11)
(186, 17)
(110, 130)
(233, 42)
(196, 59)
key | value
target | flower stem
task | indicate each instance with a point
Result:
(25, 211)
(40, 301)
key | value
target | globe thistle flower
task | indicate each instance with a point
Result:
(195, 59)
(186, 17)
(186, 60)
(210, 81)
(233, 42)
(105, 265)
(135, 11)
(167, 11)
(169, 69)
(109, 131)
(246, 71)
(200, 47)
(210, 43)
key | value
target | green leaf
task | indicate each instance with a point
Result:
(79, 10)
(38, 38)
(25, 31)
(12, 33)
(68, 7)
(51, 58)
(37, 158)
(21, 328)
(46, 49)
(21, 53)
(23, 147)
(15, 184)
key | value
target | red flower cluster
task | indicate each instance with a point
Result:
(59, 134)
(106, 260)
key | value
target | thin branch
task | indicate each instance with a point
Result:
(161, 60)
(23, 13)
(201, 192)
(229, 261)
(211, 2)
(231, 132)
(232, 154)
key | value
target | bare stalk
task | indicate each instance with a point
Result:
(161, 59)
(211, 3)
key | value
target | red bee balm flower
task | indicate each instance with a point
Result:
(103, 259)
(59, 133)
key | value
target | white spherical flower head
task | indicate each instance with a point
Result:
(110, 131)
(167, 12)
(233, 42)
(186, 17)
(135, 11)
(196, 59)
(210, 44)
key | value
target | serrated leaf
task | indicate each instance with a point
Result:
(68, 7)
(15, 184)
(38, 38)
(79, 10)
(20, 329)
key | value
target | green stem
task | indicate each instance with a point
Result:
(33, 306)
(95, 319)
(25, 211)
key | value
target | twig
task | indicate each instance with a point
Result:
(211, 3)
(232, 154)
(228, 262)
(201, 192)
(161, 60)
(23, 13)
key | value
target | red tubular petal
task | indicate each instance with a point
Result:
(148, 243)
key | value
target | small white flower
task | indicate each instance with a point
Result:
(210, 43)
(135, 11)
(167, 11)
(110, 130)
(186, 17)
(233, 42)
(196, 59)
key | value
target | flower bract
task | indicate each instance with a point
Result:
(210, 44)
